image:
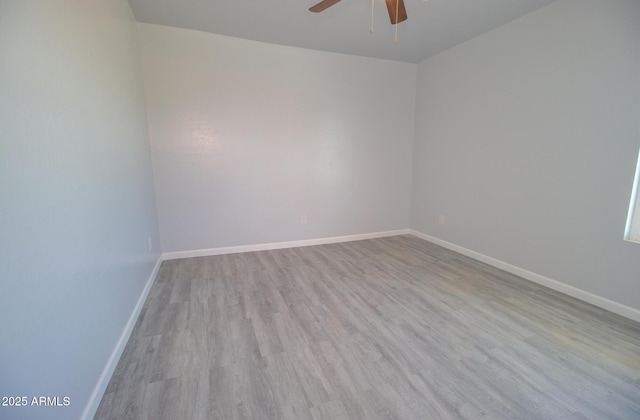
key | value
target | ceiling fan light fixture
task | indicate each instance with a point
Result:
(396, 9)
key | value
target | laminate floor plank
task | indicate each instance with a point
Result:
(314, 383)
(389, 328)
(287, 388)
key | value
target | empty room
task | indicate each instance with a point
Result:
(287, 209)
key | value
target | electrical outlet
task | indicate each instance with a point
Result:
(441, 220)
(303, 220)
(149, 243)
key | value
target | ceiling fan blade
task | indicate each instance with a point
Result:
(324, 4)
(402, 12)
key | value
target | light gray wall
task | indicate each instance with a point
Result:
(247, 137)
(526, 140)
(76, 202)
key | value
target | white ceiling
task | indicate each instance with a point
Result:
(432, 26)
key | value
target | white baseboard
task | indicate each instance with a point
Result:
(583, 295)
(96, 396)
(279, 245)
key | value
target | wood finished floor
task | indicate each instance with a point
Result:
(391, 328)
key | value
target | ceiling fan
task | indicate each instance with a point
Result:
(393, 7)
